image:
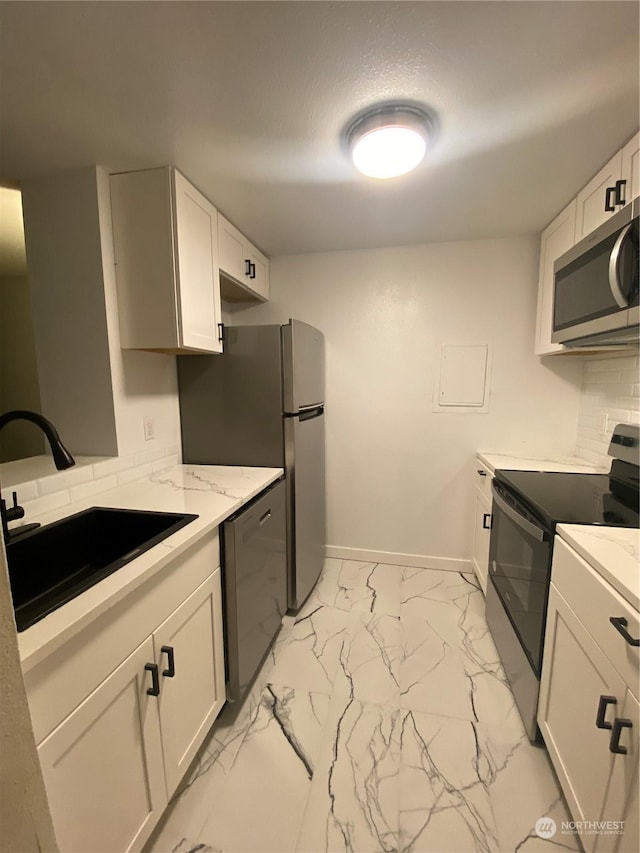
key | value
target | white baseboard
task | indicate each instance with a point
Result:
(422, 561)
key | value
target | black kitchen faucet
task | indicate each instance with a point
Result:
(61, 457)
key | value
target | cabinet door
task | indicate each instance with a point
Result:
(575, 675)
(622, 803)
(198, 280)
(591, 200)
(555, 240)
(259, 281)
(102, 766)
(481, 537)
(191, 699)
(233, 256)
(631, 168)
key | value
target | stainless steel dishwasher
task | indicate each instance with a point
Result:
(254, 547)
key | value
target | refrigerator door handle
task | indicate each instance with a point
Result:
(307, 413)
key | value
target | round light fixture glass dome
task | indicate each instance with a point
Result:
(388, 141)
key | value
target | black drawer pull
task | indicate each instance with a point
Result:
(221, 332)
(620, 624)
(154, 690)
(253, 271)
(620, 199)
(603, 704)
(608, 204)
(482, 473)
(486, 518)
(247, 267)
(171, 670)
(614, 743)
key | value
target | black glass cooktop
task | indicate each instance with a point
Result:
(577, 498)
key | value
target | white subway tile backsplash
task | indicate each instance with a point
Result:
(112, 466)
(149, 456)
(25, 491)
(64, 480)
(610, 389)
(46, 504)
(86, 490)
(165, 462)
(133, 474)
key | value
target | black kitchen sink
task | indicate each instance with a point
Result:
(52, 565)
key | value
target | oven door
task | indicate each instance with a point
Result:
(520, 569)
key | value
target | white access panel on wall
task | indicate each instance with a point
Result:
(463, 381)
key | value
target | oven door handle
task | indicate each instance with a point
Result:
(532, 529)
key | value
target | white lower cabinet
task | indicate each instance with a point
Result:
(481, 522)
(188, 652)
(587, 712)
(111, 765)
(481, 537)
(103, 765)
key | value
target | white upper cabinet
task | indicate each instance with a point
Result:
(555, 240)
(596, 202)
(244, 269)
(631, 167)
(165, 237)
(615, 185)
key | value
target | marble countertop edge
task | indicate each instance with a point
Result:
(613, 552)
(515, 462)
(171, 490)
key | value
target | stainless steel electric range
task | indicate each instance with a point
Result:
(527, 506)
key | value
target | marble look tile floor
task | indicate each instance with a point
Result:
(381, 721)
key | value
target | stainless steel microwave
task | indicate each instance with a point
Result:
(595, 293)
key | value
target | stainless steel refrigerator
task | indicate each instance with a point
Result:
(262, 403)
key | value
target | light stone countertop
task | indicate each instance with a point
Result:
(614, 552)
(511, 462)
(212, 492)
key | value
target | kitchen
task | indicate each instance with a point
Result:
(399, 471)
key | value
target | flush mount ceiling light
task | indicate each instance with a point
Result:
(389, 140)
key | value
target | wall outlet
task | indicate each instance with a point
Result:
(149, 428)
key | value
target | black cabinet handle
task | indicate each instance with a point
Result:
(247, 267)
(221, 332)
(171, 669)
(154, 690)
(603, 704)
(620, 185)
(620, 624)
(486, 517)
(614, 743)
(608, 204)
(482, 473)
(253, 271)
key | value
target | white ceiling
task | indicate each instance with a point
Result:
(249, 100)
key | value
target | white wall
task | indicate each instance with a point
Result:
(144, 384)
(399, 475)
(611, 391)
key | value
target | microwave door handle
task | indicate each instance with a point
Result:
(532, 529)
(614, 269)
